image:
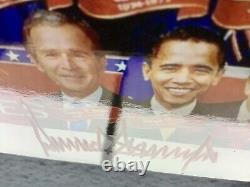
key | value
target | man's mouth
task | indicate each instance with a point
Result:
(73, 76)
(180, 91)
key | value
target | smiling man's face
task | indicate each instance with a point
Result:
(67, 56)
(182, 70)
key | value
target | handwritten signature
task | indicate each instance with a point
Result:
(123, 145)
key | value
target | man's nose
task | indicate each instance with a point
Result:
(68, 61)
(182, 76)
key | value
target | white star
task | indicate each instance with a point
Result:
(122, 66)
(130, 97)
(13, 56)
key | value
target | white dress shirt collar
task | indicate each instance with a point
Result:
(184, 110)
(244, 113)
(92, 99)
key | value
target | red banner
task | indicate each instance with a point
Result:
(233, 14)
(54, 4)
(230, 14)
(110, 9)
(5, 3)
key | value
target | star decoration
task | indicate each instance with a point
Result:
(130, 97)
(121, 67)
(13, 56)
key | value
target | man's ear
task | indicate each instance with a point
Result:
(218, 77)
(36, 63)
(102, 62)
(146, 70)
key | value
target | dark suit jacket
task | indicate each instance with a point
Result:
(225, 110)
(107, 98)
(228, 110)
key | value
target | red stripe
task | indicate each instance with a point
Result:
(111, 9)
(53, 4)
(232, 14)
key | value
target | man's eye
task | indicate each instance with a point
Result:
(169, 68)
(202, 70)
(79, 54)
(51, 55)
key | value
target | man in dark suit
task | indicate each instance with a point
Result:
(183, 64)
(67, 50)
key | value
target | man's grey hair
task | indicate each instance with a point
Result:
(56, 19)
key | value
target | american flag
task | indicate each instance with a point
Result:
(18, 55)
(13, 54)
(17, 69)
(124, 70)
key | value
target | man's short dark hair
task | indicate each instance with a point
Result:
(53, 18)
(196, 34)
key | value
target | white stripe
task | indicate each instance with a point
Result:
(237, 72)
(114, 72)
(117, 57)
